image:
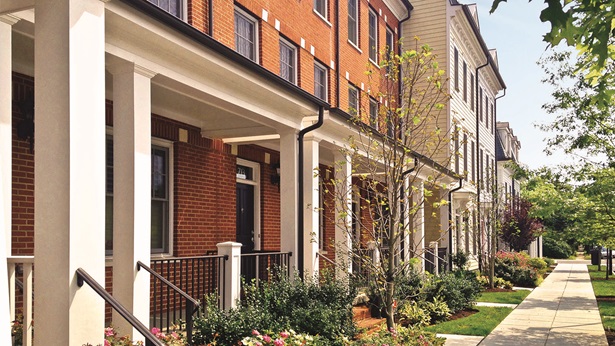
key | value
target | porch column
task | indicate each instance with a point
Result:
(418, 201)
(288, 194)
(407, 220)
(6, 113)
(343, 216)
(311, 205)
(445, 225)
(132, 146)
(69, 194)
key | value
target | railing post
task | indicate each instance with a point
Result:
(232, 270)
(27, 304)
(189, 320)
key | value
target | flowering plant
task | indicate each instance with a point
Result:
(112, 338)
(284, 338)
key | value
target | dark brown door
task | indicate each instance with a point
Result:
(245, 217)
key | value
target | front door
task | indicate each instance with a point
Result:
(245, 217)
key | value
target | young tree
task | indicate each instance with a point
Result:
(519, 228)
(398, 159)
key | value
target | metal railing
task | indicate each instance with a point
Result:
(150, 339)
(197, 276)
(256, 266)
(191, 305)
(26, 271)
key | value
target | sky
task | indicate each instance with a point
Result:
(516, 31)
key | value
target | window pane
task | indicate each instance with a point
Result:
(159, 233)
(321, 7)
(159, 173)
(287, 62)
(172, 6)
(109, 166)
(352, 21)
(320, 82)
(373, 33)
(373, 114)
(245, 36)
(109, 224)
(353, 101)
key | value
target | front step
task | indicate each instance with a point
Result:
(364, 320)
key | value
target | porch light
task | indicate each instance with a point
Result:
(275, 177)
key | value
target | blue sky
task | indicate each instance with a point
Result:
(515, 30)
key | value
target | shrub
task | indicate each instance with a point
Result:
(410, 313)
(550, 261)
(316, 308)
(282, 338)
(459, 289)
(498, 282)
(437, 310)
(538, 264)
(514, 267)
(556, 248)
(401, 337)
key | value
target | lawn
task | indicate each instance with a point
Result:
(480, 323)
(511, 297)
(604, 288)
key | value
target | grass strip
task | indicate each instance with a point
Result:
(602, 287)
(512, 297)
(479, 324)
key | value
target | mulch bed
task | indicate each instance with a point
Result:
(498, 290)
(462, 314)
(605, 298)
(610, 337)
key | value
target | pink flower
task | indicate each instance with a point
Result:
(258, 343)
(107, 343)
(278, 342)
(255, 332)
(155, 330)
(266, 338)
(284, 335)
(108, 331)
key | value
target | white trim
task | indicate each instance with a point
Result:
(256, 182)
(295, 65)
(324, 19)
(171, 187)
(255, 21)
(370, 12)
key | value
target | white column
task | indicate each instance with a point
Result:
(311, 199)
(540, 246)
(444, 221)
(288, 194)
(343, 216)
(407, 220)
(6, 113)
(69, 55)
(232, 273)
(418, 200)
(132, 147)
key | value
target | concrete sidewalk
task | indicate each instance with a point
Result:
(562, 311)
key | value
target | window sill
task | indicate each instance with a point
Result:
(324, 19)
(374, 63)
(355, 46)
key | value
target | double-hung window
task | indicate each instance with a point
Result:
(465, 82)
(174, 7)
(246, 35)
(353, 100)
(353, 22)
(373, 113)
(456, 68)
(373, 36)
(160, 201)
(472, 91)
(320, 81)
(320, 6)
(288, 61)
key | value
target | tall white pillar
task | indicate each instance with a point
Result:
(418, 200)
(343, 216)
(6, 113)
(407, 220)
(311, 205)
(69, 55)
(288, 194)
(232, 277)
(132, 147)
(445, 225)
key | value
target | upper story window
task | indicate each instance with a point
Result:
(472, 91)
(390, 38)
(465, 82)
(480, 103)
(353, 22)
(373, 113)
(288, 61)
(246, 35)
(373, 35)
(320, 6)
(320, 81)
(174, 7)
(353, 100)
(487, 112)
(456, 68)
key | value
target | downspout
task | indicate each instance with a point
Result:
(450, 222)
(399, 32)
(478, 158)
(300, 229)
(211, 17)
(337, 53)
(496, 194)
(402, 198)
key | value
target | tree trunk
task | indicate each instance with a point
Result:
(389, 305)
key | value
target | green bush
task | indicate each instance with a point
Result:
(498, 282)
(401, 337)
(514, 267)
(538, 264)
(550, 261)
(437, 309)
(556, 248)
(307, 307)
(459, 289)
(411, 314)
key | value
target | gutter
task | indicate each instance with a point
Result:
(450, 222)
(300, 216)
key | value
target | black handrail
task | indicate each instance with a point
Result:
(150, 338)
(192, 305)
(257, 254)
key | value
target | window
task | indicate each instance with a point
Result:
(456, 69)
(320, 81)
(480, 103)
(392, 124)
(487, 170)
(473, 150)
(245, 35)
(487, 112)
(492, 119)
(353, 100)
(373, 36)
(390, 38)
(288, 61)
(373, 113)
(174, 7)
(353, 22)
(481, 167)
(465, 82)
(456, 135)
(472, 91)
(465, 154)
(160, 168)
(320, 6)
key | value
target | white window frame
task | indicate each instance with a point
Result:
(254, 21)
(374, 120)
(354, 40)
(373, 48)
(285, 43)
(325, 7)
(183, 11)
(356, 106)
(255, 181)
(325, 86)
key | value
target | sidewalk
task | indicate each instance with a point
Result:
(562, 311)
